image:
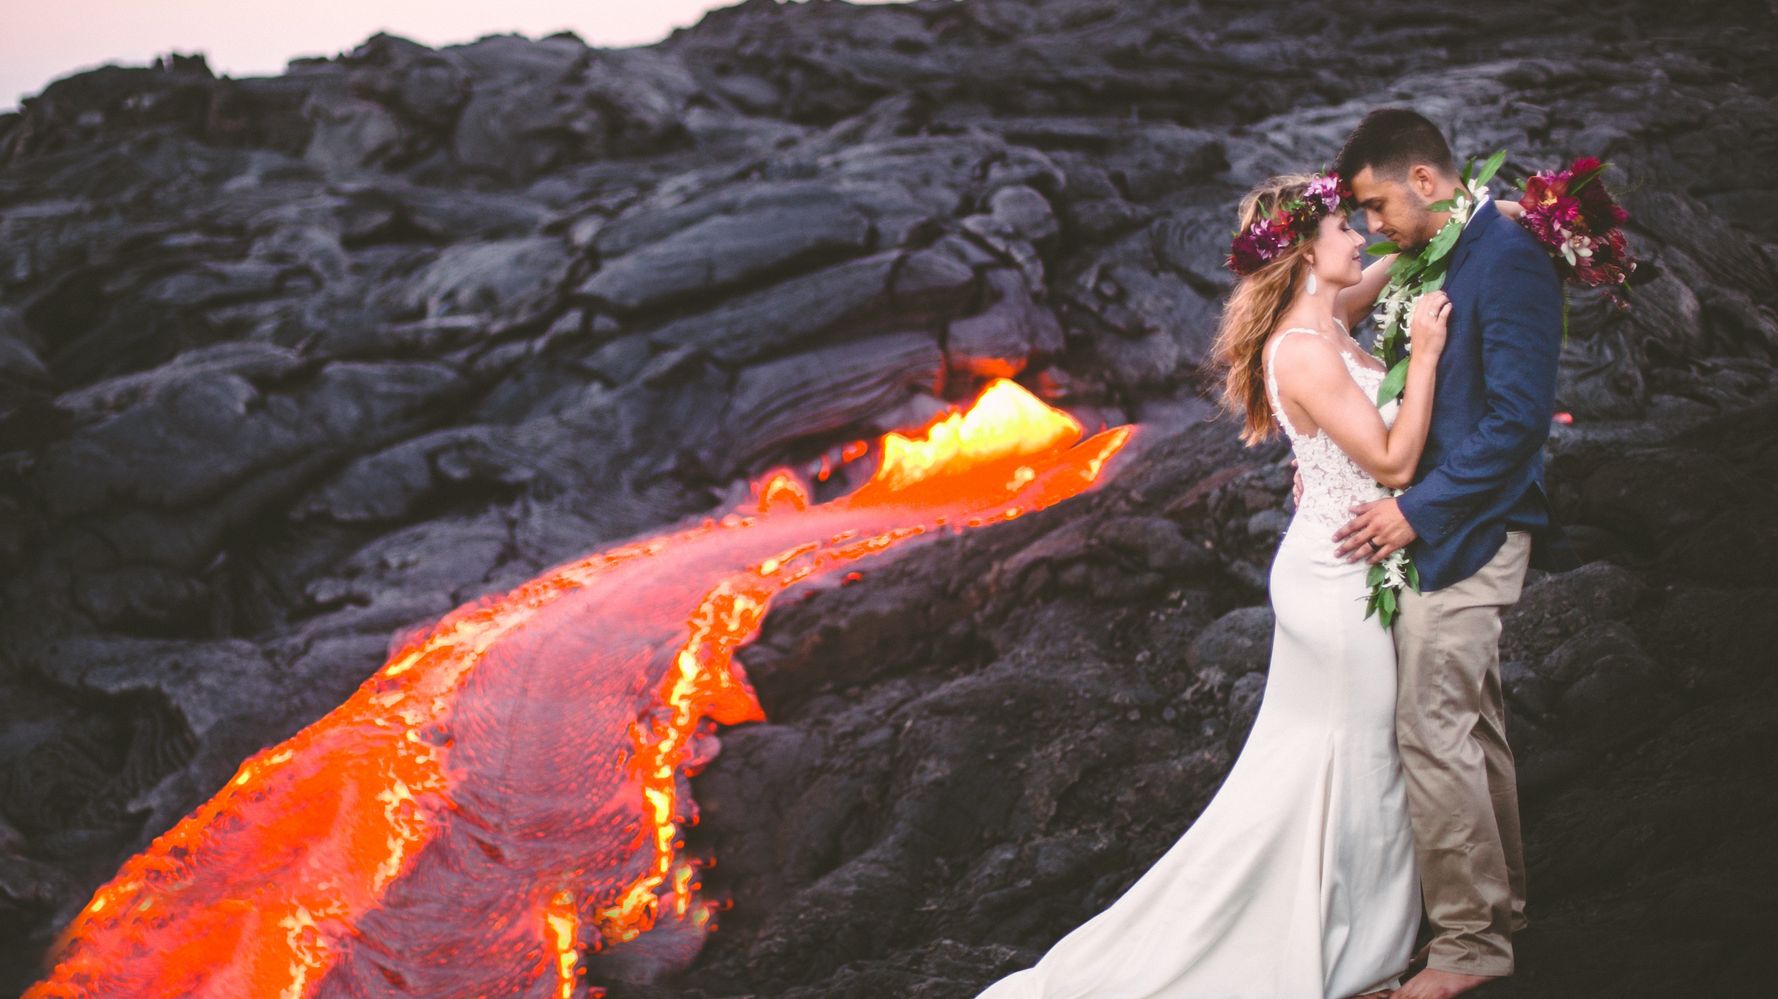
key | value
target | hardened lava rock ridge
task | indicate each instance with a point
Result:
(291, 366)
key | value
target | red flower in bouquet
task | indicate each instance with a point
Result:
(1579, 223)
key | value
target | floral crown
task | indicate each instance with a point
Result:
(1293, 220)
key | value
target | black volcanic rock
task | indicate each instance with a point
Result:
(292, 365)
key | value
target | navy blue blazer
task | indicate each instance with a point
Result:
(1482, 471)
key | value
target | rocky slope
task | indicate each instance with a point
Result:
(288, 364)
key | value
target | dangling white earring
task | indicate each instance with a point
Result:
(1312, 282)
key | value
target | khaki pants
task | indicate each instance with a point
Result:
(1450, 721)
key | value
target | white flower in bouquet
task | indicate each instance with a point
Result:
(1575, 247)
(1464, 202)
(1394, 571)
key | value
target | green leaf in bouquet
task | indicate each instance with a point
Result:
(1374, 576)
(1412, 572)
(1382, 249)
(1442, 205)
(1393, 382)
(1433, 283)
(1386, 617)
(1489, 169)
(1441, 244)
(1393, 351)
(1388, 339)
(1583, 179)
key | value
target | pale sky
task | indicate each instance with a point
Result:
(47, 39)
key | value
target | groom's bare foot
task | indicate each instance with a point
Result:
(1436, 984)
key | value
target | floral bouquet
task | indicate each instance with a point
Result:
(1575, 218)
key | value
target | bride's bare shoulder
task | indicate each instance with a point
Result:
(1296, 342)
(1304, 357)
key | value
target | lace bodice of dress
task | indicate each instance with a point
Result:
(1332, 482)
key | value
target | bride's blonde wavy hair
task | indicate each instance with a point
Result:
(1253, 311)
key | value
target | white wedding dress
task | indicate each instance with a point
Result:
(1298, 879)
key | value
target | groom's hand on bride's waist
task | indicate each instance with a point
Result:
(1376, 531)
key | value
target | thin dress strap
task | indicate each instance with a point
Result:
(1271, 359)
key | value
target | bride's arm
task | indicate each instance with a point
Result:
(1351, 304)
(1321, 385)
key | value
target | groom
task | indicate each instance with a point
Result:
(1473, 519)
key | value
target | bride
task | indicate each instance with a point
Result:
(1299, 878)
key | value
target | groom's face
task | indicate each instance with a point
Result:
(1393, 208)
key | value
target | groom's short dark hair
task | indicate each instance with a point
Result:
(1390, 140)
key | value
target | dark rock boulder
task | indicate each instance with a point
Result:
(771, 234)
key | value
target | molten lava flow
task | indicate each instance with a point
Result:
(508, 791)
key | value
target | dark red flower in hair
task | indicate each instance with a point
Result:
(1292, 220)
(1259, 245)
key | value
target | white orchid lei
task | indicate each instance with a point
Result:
(1411, 276)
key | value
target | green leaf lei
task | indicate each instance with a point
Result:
(1415, 274)
(1410, 276)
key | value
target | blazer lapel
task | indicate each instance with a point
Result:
(1472, 234)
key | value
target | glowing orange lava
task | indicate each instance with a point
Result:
(509, 791)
